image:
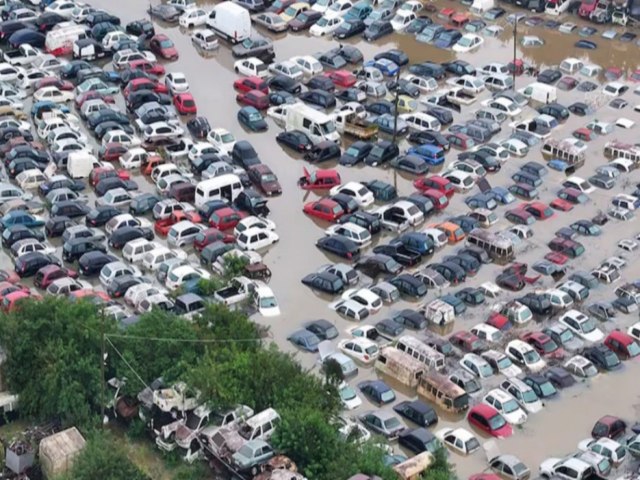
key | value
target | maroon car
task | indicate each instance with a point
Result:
(163, 46)
(46, 275)
(262, 177)
(53, 82)
(210, 235)
(111, 152)
(254, 98)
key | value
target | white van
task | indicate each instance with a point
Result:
(153, 259)
(136, 249)
(317, 125)
(540, 92)
(60, 41)
(422, 352)
(80, 164)
(571, 65)
(225, 187)
(421, 121)
(230, 21)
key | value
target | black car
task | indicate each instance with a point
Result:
(323, 152)
(411, 164)
(106, 115)
(549, 76)
(100, 216)
(119, 285)
(399, 253)
(459, 68)
(27, 151)
(478, 253)
(136, 99)
(404, 87)
(602, 357)
(47, 20)
(349, 29)
(319, 98)
(378, 264)
(70, 208)
(363, 219)
(252, 202)
(396, 55)
(111, 183)
(61, 182)
(382, 152)
(285, 84)
(444, 116)
(389, 327)
(559, 377)
(557, 111)
(304, 20)
(340, 246)
(349, 53)
(332, 60)
(424, 204)
(295, 140)
(8, 133)
(55, 226)
(27, 36)
(537, 303)
(429, 137)
(418, 412)
(541, 386)
(199, 127)
(410, 319)
(100, 16)
(140, 28)
(28, 264)
(76, 247)
(20, 165)
(350, 94)
(356, 153)
(125, 234)
(419, 440)
(280, 97)
(323, 329)
(378, 29)
(244, 155)
(428, 69)
(322, 83)
(143, 203)
(92, 262)
(12, 234)
(452, 272)
(409, 285)
(471, 296)
(325, 282)
(347, 202)
(8, 27)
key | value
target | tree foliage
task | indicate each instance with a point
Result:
(103, 458)
(440, 469)
(52, 360)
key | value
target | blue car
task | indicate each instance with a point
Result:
(387, 123)
(502, 195)
(305, 339)
(251, 118)
(28, 36)
(386, 66)
(20, 217)
(431, 154)
(586, 44)
(377, 391)
(447, 38)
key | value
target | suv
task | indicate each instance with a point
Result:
(77, 247)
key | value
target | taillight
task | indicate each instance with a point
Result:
(349, 255)
(366, 357)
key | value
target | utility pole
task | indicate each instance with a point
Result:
(395, 123)
(102, 354)
(515, 53)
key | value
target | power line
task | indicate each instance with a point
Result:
(126, 363)
(181, 340)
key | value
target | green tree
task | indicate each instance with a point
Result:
(53, 359)
(103, 458)
(440, 469)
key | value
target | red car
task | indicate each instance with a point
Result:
(226, 218)
(9, 276)
(162, 46)
(185, 104)
(499, 321)
(111, 152)
(439, 199)
(138, 84)
(635, 76)
(324, 209)
(319, 180)
(557, 258)
(247, 84)
(6, 288)
(487, 419)
(538, 210)
(584, 134)
(544, 345)
(49, 273)
(210, 235)
(163, 225)
(520, 216)
(90, 95)
(254, 98)
(53, 82)
(435, 182)
(263, 178)
(622, 344)
(485, 476)
(95, 296)
(154, 68)
(466, 341)
(460, 141)
(100, 173)
(562, 205)
(342, 78)
(608, 427)
(10, 301)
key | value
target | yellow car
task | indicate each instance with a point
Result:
(406, 104)
(292, 11)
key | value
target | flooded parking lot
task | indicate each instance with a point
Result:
(564, 421)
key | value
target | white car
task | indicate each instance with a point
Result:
(361, 194)
(287, 68)
(176, 82)
(523, 393)
(504, 105)
(583, 326)
(48, 63)
(205, 39)
(135, 294)
(476, 365)
(468, 42)
(161, 131)
(66, 285)
(568, 468)
(628, 245)
(410, 212)
(136, 249)
(308, 64)
(348, 396)
(402, 19)
(53, 94)
(487, 333)
(515, 147)
(581, 367)
(531, 41)
(361, 349)
(193, 17)
(339, 8)
(501, 363)
(326, 25)
(30, 245)
(256, 238)
(199, 149)
(350, 309)
(265, 301)
(251, 67)
(125, 220)
(357, 234)
(506, 405)
(523, 354)
(222, 139)
(634, 331)
(460, 440)
(80, 13)
(64, 8)
(112, 38)
(365, 297)
(425, 85)
(121, 137)
(182, 274)
(606, 447)
(462, 181)
(30, 179)
(31, 77)
(253, 222)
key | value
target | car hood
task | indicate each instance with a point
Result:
(272, 187)
(547, 465)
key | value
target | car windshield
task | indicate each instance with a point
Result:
(269, 177)
(633, 349)
(166, 43)
(347, 393)
(465, 42)
(496, 422)
(486, 370)
(323, 22)
(472, 445)
(504, 362)
(510, 406)
(590, 371)
(391, 423)
(387, 396)
(268, 302)
(255, 117)
(549, 346)
(547, 389)
(529, 396)
(588, 326)
(328, 127)
(372, 350)
(193, 421)
(531, 356)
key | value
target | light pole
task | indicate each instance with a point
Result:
(515, 46)
(395, 123)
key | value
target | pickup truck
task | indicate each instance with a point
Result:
(238, 291)
(22, 56)
(349, 122)
(440, 100)
(459, 97)
(392, 218)
(532, 126)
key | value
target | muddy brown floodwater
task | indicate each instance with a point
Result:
(557, 429)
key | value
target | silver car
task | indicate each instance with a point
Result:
(271, 21)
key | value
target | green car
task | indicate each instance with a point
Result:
(251, 118)
(96, 85)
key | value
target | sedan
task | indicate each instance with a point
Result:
(295, 140)
(377, 391)
(250, 118)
